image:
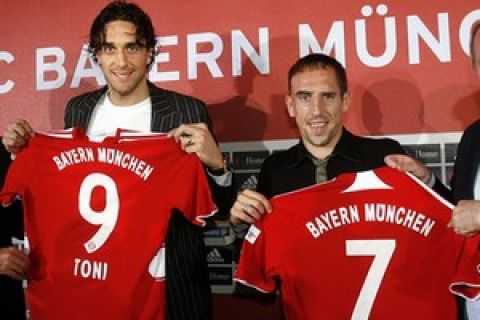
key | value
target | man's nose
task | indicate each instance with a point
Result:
(121, 58)
(317, 105)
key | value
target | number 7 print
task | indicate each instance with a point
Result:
(382, 250)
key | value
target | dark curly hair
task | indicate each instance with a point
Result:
(122, 11)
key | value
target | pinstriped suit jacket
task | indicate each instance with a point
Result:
(188, 289)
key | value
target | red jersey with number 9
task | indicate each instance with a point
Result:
(371, 245)
(96, 217)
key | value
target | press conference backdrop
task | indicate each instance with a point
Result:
(407, 61)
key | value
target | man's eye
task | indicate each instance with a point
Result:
(304, 97)
(133, 49)
(329, 96)
(108, 49)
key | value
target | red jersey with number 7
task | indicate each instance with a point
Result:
(96, 217)
(370, 245)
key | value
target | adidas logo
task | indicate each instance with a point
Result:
(250, 183)
(215, 257)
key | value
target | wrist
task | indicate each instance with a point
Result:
(219, 170)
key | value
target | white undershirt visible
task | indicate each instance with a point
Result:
(473, 307)
(107, 117)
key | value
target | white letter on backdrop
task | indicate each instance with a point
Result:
(208, 58)
(56, 66)
(9, 84)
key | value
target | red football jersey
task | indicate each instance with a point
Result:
(371, 245)
(96, 217)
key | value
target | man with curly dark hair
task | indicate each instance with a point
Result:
(122, 42)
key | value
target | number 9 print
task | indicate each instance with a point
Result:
(107, 218)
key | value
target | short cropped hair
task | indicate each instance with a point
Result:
(315, 61)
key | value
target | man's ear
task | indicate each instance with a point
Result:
(151, 55)
(289, 105)
(345, 101)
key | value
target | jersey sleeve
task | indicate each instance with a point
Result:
(190, 191)
(466, 282)
(17, 176)
(261, 254)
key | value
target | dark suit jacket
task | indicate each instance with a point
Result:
(466, 164)
(12, 302)
(188, 289)
(293, 169)
(464, 173)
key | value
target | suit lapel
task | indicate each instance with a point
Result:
(164, 114)
(84, 108)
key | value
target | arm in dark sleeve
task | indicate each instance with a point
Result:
(188, 287)
(223, 195)
(442, 190)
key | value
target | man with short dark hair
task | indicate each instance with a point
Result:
(317, 98)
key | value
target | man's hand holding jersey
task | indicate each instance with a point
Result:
(196, 138)
(16, 135)
(13, 263)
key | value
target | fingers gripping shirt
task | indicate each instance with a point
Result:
(371, 245)
(96, 215)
